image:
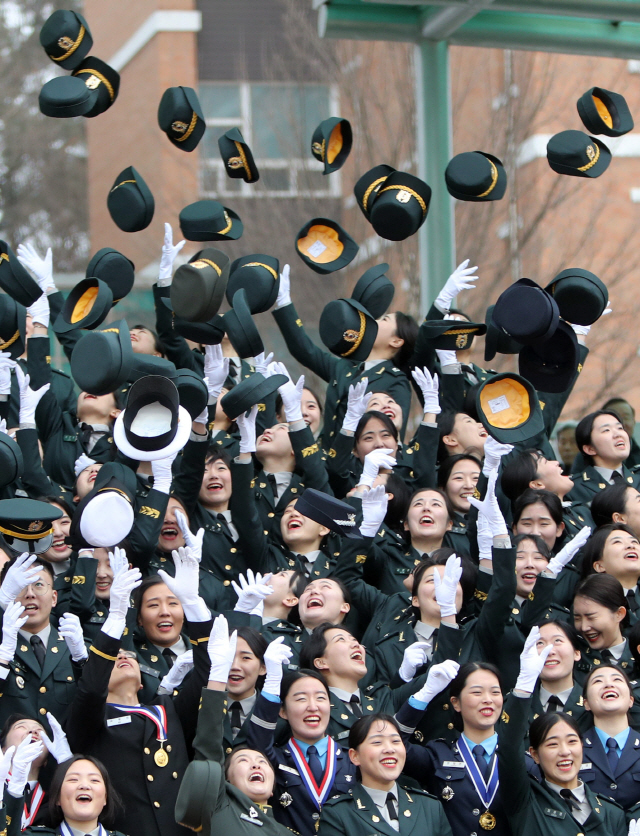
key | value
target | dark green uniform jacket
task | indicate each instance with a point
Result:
(590, 482)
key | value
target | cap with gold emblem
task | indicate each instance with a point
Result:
(26, 524)
(476, 176)
(113, 268)
(208, 220)
(400, 207)
(331, 143)
(451, 334)
(259, 275)
(368, 186)
(180, 117)
(577, 154)
(130, 202)
(254, 389)
(102, 81)
(325, 246)
(605, 112)
(66, 38)
(347, 329)
(13, 329)
(237, 157)
(14, 278)
(87, 306)
(197, 289)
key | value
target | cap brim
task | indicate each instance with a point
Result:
(181, 437)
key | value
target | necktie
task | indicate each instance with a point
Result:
(570, 800)
(271, 479)
(555, 704)
(355, 705)
(612, 754)
(607, 656)
(85, 432)
(169, 656)
(631, 599)
(235, 711)
(315, 765)
(38, 649)
(617, 477)
(391, 807)
(478, 754)
(233, 370)
(28, 792)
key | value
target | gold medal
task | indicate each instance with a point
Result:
(487, 820)
(162, 759)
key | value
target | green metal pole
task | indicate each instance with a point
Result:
(437, 235)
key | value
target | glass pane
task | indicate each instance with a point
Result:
(209, 179)
(220, 101)
(284, 117)
(209, 144)
(229, 185)
(274, 180)
(312, 181)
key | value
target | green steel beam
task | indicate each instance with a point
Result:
(359, 21)
(437, 234)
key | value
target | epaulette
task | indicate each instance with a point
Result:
(417, 791)
(337, 799)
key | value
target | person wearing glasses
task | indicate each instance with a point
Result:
(36, 662)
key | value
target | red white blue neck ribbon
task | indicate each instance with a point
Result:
(318, 793)
(29, 813)
(156, 713)
(486, 789)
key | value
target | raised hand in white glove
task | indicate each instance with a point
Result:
(291, 395)
(173, 679)
(169, 253)
(532, 661)
(276, 655)
(247, 429)
(251, 592)
(185, 584)
(429, 387)
(28, 751)
(490, 508)
(125, 580)
(485, 538)
(380, 459)
(357, 401)
(6, 364)
(39, 311)
(42, 268)
(59, 747)
(193, 541)
(216, 371)
(29, 399)
(162, 473)
(70, 629)
(493, 453)
(634, 827)
(446, 357)
(5, 768)
(439, 677)
(415, 656)
(569, 551)
(19, 574)
(82, 463)
(13, 620)
(446, 587)
(261, 362)
(462, 278)
(284, 291)
(221, 649)
(374, 509)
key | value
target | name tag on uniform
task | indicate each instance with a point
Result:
(342, 735)
(454, 764)
(556, 814)
(288, 769)
(586, 766)
(119, 721)
(245, 817)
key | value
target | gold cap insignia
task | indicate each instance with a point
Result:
(92, 82)
(461, 340)
(591, 152)
(316, 147)
(65, 42)
(179, 127)
(36, 525)
(350, 336)
(403, 196)
(235, 162)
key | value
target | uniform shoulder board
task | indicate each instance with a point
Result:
(337, 799)
(606, 800)
(411, 789)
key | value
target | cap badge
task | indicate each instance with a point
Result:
(179, 127)
(591, 153)
(350, 336)
(65, 42)
(403, 196)
(92, 82)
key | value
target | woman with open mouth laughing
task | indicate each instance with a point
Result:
(380, 796)
(560, 804)
(600, 614)
(614, 549)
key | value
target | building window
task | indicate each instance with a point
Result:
(277, 120)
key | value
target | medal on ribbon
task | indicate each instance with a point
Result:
(158, 716)
(318, 793)
(486, 789)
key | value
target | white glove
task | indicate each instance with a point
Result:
(221, 649)
(374, 509)
(438, 678)
(13, 620)
(568, 551)
(3, 426)
(193, 541)
(169, 253)
(531, 662)
(446, 357)
(82, 463)
(284, 291)
(493, 453)
(27, 752)
(251, 592)
(162, 474)
(462, 278)
(39, 311)
(415, 656)
(634, 827)
(381, 458)
(446, 587)
(356, 404)
(247, 428)
(185, 584)
(291, 395)
(5, 768)
(181, 667)
(29, 399)
(490, 508)
(583, 330)
(42, 268)
(485, 538)
(276, 655)
(429, 387)
(216, 371)
(6, 364)
(261, 363)
(203, 418)
(59, 746)
(125, 580)
(19, 575)
(70, 629)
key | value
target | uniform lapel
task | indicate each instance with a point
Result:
(56, 651)
(594, 751)
(369, 813)
(407, 811)
(575, 700)
(25, 653)
(630, 754)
